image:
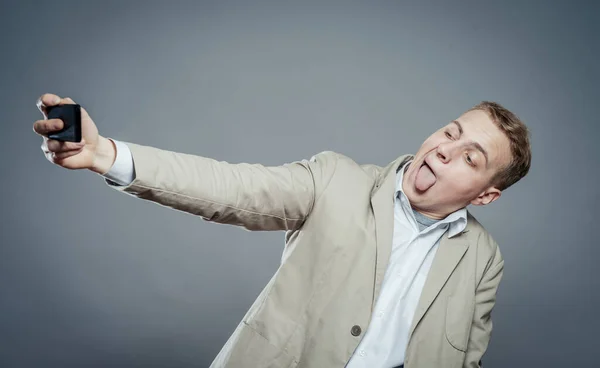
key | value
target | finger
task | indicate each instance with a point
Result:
(44, 146)
(54, 145)
(59, 155)
(44, 127)
(55, 149)
(63, 155)
(48, 99)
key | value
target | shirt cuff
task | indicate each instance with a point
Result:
(122, 172)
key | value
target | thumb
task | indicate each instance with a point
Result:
(47, 100)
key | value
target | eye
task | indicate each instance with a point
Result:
(448, 135)
(469, 160)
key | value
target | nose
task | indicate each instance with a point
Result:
(444, 152)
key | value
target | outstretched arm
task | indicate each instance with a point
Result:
(253, 196)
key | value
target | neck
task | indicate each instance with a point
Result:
(430, 214)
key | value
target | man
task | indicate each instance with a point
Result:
(382, 266)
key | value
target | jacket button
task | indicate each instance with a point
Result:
(355, 330)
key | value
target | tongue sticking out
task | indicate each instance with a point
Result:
(425, 178)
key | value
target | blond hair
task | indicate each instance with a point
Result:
(520, 146)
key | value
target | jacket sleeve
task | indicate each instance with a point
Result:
(485, 299)
(252, 196)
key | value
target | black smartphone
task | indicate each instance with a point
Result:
(71, 117)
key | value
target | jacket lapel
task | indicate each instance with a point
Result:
(449, 253)
(382, 201)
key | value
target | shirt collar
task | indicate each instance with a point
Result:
(457, 220)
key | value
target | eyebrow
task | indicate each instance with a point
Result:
(460, 129)
(473, 144)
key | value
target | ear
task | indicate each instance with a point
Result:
(488, 196)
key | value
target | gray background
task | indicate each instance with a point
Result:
(91, 277)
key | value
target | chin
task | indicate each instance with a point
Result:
(418, 197)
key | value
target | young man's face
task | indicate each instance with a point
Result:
(454, 166)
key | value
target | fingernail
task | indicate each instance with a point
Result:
(57, 100)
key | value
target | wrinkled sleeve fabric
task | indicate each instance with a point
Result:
(252, 196)
(485, 299)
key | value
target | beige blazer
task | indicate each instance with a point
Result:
(338, 219)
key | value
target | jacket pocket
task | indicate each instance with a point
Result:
(458, 322)
(254, 350)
